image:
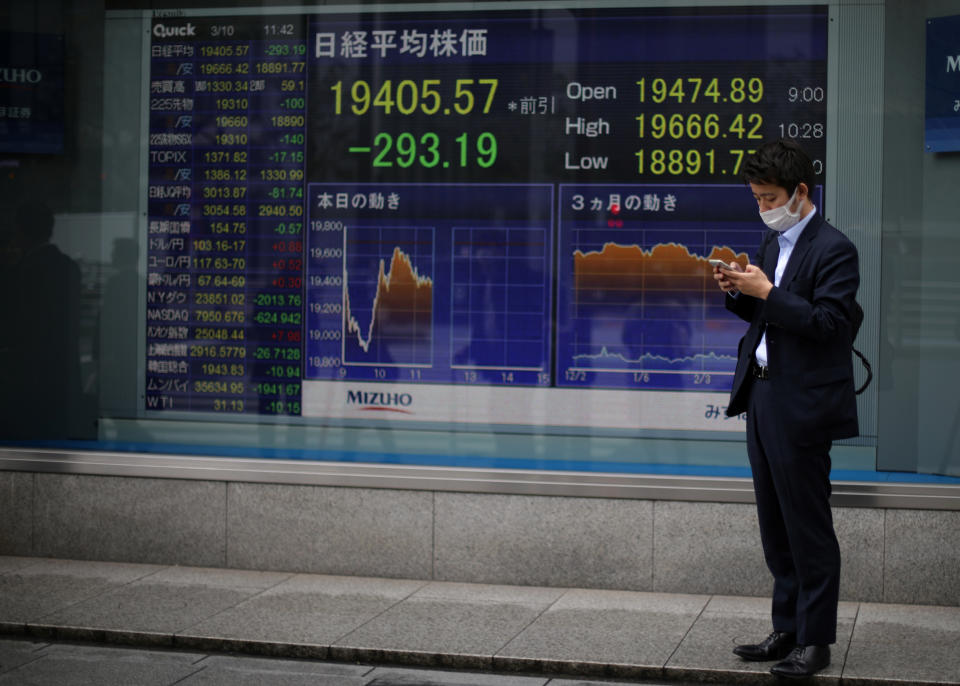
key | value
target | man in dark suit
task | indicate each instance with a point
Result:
(794, 379)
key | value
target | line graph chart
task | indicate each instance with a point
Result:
(441, 283)
(637, 303)
(388, 319)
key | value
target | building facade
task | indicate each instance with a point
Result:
(421, 289)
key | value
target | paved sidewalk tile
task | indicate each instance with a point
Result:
(248, 671)
(909, 643)
(606, 633)
(494, 635)
(14, 653)
(305, 610)
(165, 602)
(32, 592)
(445, 623)
(92, 666)
(9, 563)
(385, 676)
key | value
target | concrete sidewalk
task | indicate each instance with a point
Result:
(503, 629)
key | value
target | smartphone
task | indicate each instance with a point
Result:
(722, 265)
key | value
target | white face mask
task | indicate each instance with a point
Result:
(781, 218)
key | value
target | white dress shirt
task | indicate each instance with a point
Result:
(787, 240)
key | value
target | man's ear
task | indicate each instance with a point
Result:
(803, 191)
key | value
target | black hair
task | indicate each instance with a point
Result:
(780, 163)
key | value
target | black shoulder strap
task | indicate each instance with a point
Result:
(856, 319)
(866, 365)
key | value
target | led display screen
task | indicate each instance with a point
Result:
(498, 217)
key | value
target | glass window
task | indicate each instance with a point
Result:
(450, 235)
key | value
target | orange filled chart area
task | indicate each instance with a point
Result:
(637, 304)
(397, 323)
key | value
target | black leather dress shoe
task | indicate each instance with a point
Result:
(803, 661)
(776, 646)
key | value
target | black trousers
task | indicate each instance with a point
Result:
(792, 487)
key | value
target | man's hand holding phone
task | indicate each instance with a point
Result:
(733, 279)
(720, 272)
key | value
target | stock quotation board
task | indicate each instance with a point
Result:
(472, 216)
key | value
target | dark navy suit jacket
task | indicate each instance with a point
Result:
(807, 319)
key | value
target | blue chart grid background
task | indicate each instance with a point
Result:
(500, 299)
(481, 257)
(368, 251)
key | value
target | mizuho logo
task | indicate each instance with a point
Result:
(163, 31)
(14, 75)
(380, 401)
